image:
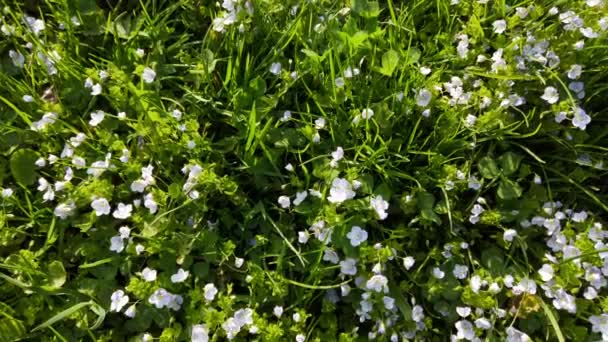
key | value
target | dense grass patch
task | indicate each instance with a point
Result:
(303, 170)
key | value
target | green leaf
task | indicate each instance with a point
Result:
(425, 200)
(509, 162)
(56, 273)
(487, 167)
(11, 329)
(23, 167)
(551, 316)
(365, 8)
(508, 189)
(390, 60)
(62, 315)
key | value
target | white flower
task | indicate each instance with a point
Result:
(300, 197)
(599, 324)
(348, 266)
(118, 300)
(336, 156)
(470, 120)
(284, 202)
(339, 82)
(286, 116)
(275, 68)
(289, 167)
(150, 203)
(340, 191)
(580, 119)
(465, 330)
(575, 71)
(199, 333)
(148, 274)
(123, 211)
(594, 3)
(483, 323)
(425, 70)
(367, 113)
(499, 26)
(139, 249)
(148, 75)
(243, 317)
(180, 276)
(101, 206)
(117, 244)
(417, 313)
(438, 273)
(231, 327)
(65, 210)
(7, 192)
(131, 311)
(35, 25)
(47, 119)
(564, 301)
(514, 335)
(525, 285)
(140, 52)
(463, 311)
(28, 98)
(509, 235)
(423, 98)
(380, 206)
(356, 236)
(209, 291)
(408, 262)
(303, 236)
(546, 272)
(331, 256)
(161, 298)
(17, 58)
(377, 283)
(278, 311)
(96, 89)
(551, 95)
(238, 262)
(320, 123)
(475, 283)
(300, 338)
(96, 118)
(460, 271)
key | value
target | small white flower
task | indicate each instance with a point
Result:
(7, 192)
(278, 311)
(546, 272)
(117, 244)
(377, 283)
(320, 123)
(300, 197)
(118, 300)
(460, 271)
(348, 266)
(96, 118)
(289, 167)
(238, 262)
(438, 273)
(509, 234)
(150, 203)
(425, 70)
(180, 276)
(580, 119)
(96, 89)
(101, 206)
(17, 58)
(209, 292)
(551, 95)
(470, 120)
(275, 68)
(139, 249)
(65, 210)
(423, 97)
(121, 115)
(148, 75)
(380, 206)
(284, 202)
(356, 236)
(499, 26)
(339, 82)
(463, 311)
(408, 262)
(300, 338)
(340, 191)
(367, 113)
(131, 311)
(465, 330)
(199, 333)
(336, 156)
(28, 98)
(303, 237)
(483, 323)
(123, 211)
(575, 71)
(148, 274)
(35, 25)
(286, 116)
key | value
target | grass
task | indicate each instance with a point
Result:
(481, 186)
